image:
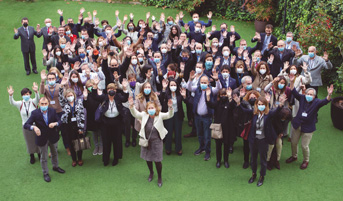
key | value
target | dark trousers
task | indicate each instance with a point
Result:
(27, 56)
(173, 125)
(246, 150)
(129, 121)
(63, 133)
(189, 107)
(259, 147)
(111, 135)
(219, 143)
(72, 133)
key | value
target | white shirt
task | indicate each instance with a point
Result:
(112, 110)
(26, 107)
(174, 99)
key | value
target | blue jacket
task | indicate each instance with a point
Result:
(47, 133)
(191, 24)
(308, 120)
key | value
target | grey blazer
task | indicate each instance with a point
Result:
(27, 43)
(316, 69)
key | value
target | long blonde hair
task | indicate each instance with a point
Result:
(141, 96)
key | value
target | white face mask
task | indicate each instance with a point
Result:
(293, 72)
(262, 71)
(226, 53)
(239, 70)
(195, 19)
(196, 29)
(164, 51)
(75, 80)
(48, 24)
(173, 88)
(58, 53)
(215, 44)
(101, 44)
(70, 98)
(134, 61)
(108, 31)
(225, 75)
(198, 70)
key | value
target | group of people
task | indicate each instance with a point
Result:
(97, 84)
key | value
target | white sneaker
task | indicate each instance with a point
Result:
(100, 150)
(96, 151)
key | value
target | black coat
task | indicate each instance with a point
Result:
(91, 105)
(223, 114)
(165, 96)
(278, 62)
(47, 133)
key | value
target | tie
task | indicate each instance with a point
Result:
(27, 33)
(45, 117)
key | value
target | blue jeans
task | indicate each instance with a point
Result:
(173, 125)
(202, 125)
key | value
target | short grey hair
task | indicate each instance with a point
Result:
(309, 89)
(244, 79)
(290, 33)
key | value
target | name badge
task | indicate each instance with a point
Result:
(62, 71)
(258, 132)
(73, 119)
(304, 114)
(277, 103)
(258, 89)
(52, 102)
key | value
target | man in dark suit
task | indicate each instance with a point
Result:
(220, 37)
(239, 51)
(28, 47)
(225, 79)
(47, 32)
(198, 34)
(191, 24)
(54, 39)
(44, 122)
(70, 22)
(265, 39)
(280, 55)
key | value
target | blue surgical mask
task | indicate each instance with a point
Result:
(209, 65)
(83, 37)
(225, 75)
(170, 22)
(52, 83)
(26, 98)
(63, 46)
(184, 59)
(203, 86)
(311, 54)
(258, 59)
(44, 108)
(281, 49)
(281, 86)
(82, 55)
(157, 60)
(140, 59)
(88, 51)
(288, 39)
(147, 91)
(68, 32)
(249, 87)
(261, 107)
(198, 51)
(244, 47)
(131, 28)
(151, 112)
(196, 29)
(309, 98)
(128, 42)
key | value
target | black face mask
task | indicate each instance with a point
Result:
(223, 98)
(114, 70)
(86, 24)
(25, 24)
(71, 25)
(111, 93)
(111, 54)
(252, 101)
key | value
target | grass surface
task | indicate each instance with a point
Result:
(187, 177)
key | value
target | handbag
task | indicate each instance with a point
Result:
(99, 112)
(145, 142)
(81, 143)
(217, 132)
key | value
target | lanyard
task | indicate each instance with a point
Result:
(52, 95)
(27, 108)
(112, 106)
(72, 110)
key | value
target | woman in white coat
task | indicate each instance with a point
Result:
(25, 107)
(153, 130)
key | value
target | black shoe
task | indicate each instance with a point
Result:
(59, 170)
(32, 159)
(35, 71)
(168, 152)
(231, 150)
(106, 163)
(47, 178)
(134, 143)
(252, 179)
(39, 156)
(245, 165)
(207, 157)
(198, 152)
(226, 164)
(190, 135)
(115, 162)
(151, 176)
(190, 123)
(218, 164)
(260, 181)
(28, 72)
(127, 144)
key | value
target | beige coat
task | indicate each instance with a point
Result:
(259, 81)
(158, 121)
(141, 106)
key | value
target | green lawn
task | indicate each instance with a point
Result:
(187, 177)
